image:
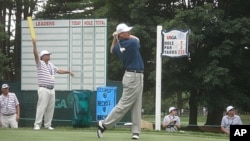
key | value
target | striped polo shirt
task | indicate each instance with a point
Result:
(8, 103)
(46, 73)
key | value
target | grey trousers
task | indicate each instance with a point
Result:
(131, 100)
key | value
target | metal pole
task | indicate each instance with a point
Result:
(158, 79)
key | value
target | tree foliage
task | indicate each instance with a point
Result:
(3, 58)
(215, 40)
(71, 9)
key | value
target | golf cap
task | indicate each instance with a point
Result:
(122, 27)
(229, 108)
(5, 86)
(171, 109)
(43, 52)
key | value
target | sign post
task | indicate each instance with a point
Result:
(172, 44)
(158, 80)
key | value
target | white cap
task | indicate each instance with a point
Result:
(171, 109)
(229, 108)
(122, 27)
(43, 52)
(5, 86)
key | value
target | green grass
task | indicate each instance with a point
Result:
(89, 134)
(184, 119)
(115, 134)
(201, 119)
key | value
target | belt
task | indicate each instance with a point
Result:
(135, 71)
(47, 86)
(8, 114)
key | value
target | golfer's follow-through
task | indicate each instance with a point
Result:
(126, 47)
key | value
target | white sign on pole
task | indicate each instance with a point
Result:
(78, 45)
(175, 43)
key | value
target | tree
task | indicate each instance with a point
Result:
(3, 58)
(71, 9)
(6, 42)
(4, 65)
(213, 64)
(10, 45)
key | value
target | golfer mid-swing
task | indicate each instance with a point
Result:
(126, 48)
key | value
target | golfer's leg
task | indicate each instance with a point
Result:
(118, 111)
(125, 103)
(136, 109)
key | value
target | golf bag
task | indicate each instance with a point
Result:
(81, 110)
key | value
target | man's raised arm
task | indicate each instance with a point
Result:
(35, 52)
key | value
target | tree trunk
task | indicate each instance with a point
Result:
(179, 102)
(215, 107)
(2, 22)
(214, 115)
(193, 105)
(17, 42)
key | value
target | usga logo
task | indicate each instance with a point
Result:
(171, 37)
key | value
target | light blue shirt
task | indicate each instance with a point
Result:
(227, 121)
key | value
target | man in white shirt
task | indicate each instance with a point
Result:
(9, 108)
(171, 122)
(230, 119)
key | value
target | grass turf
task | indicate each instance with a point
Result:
(89, 134)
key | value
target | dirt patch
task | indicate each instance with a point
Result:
(214, 129)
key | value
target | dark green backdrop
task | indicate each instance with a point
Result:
(63, 110)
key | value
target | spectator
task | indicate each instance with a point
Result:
(9, 108)
(204, 110)
(171, 122)
(182, 111)
(230, 119)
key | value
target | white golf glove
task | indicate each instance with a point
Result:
(115, 34)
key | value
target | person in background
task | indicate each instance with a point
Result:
(9, 108)
(204, 110)
(126, 47)
(46, 71)
(230, 119)
(171, 122)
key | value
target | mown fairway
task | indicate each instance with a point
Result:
(71, 134)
